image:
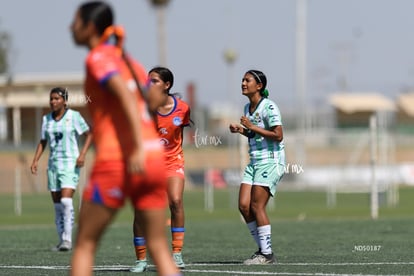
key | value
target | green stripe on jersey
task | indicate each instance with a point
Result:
(62, 136)
(262, 150)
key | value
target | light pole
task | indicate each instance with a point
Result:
(160, 6)
(301, 10)
(230, 56)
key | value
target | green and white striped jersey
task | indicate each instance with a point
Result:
(262, 150)
(62, 136)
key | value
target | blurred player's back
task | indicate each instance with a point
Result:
(105, 109)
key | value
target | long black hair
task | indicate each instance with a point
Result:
(260, 77)
(63, 92)
(165, 74)
(98, 12)
(102, 16)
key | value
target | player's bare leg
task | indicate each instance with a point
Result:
(93, 220)
(259, 199)
(152, 223)
(244, 202)
(175, 199)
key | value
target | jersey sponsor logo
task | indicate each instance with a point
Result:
(177, 121)
(58, 136)
(163, 131)
(164, 142)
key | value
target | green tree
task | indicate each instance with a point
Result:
(5, 43)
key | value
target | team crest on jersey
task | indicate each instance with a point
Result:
(177, 121)
(256, 118)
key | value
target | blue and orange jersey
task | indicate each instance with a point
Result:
(170, 129)
(110, 127)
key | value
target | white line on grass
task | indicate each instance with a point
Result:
(346, 264)
(125, 268)
(46, 267)
(309, 264)
(279, 273)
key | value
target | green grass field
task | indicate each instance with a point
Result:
(308, 237)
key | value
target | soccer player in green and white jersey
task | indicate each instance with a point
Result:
(262, 124)
(61, 129)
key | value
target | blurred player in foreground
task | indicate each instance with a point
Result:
(262, 124)
(129, 162)
(61, 129)
(172, 116)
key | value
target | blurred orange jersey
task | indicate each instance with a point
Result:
(170, 129)
(109, 121)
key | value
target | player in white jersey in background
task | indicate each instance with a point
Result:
(61, 128)
(262, 124)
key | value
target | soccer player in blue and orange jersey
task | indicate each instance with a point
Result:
(262, 124)
(129, 162)
(172, 116)
(61, 128)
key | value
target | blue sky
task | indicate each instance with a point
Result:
(369, 43)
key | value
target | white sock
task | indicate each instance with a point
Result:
(68, 218)
(265, 237)
(59, 220)
(253, 231)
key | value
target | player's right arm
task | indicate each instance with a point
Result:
(39, 150)
(237, 128)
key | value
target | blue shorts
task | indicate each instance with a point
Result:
(266, 175)
(58, 179)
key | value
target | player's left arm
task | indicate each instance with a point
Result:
(82, 128)
(82, 154)
(187, 117)
(186, 123)
(274, 133)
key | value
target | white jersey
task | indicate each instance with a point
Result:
(62, 136)
(262, 150)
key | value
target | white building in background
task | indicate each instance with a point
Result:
(3, 124)
(25, 98)
(353, 109)
(405, 114)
